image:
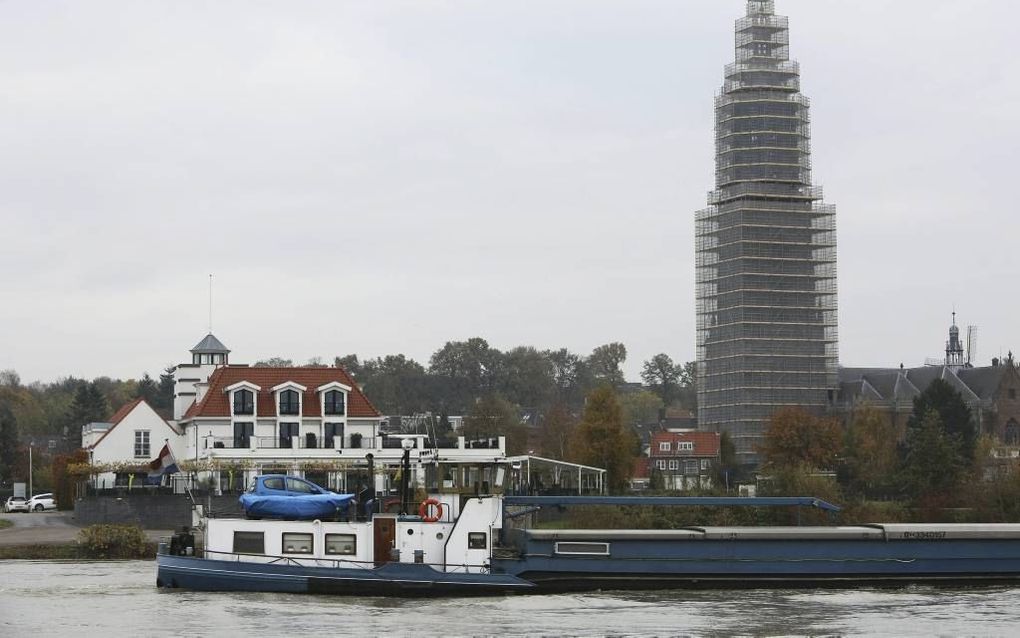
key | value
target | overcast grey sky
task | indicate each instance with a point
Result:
(383, 176)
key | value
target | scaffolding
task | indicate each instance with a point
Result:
(767, 333)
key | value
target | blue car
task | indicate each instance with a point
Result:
(288, 497)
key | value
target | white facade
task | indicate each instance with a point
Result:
(136, 435)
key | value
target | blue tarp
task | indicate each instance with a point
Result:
(309, 503)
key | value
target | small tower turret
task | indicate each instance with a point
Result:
(954, 347)
(190, 378)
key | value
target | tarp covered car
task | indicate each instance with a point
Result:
(288, 497)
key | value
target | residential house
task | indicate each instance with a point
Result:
(684, 460)
(133, 436)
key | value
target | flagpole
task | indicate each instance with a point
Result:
(187, 486)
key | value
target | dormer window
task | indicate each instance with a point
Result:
(290, 402)
(334, 403)
(664, 446)
(244, 402)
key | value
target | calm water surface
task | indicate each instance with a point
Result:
(43, 598)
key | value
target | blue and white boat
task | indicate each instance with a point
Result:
(475, 546)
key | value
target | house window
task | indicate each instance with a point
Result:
(287, 431)
(289, 402)
(294, 543)
(705, 463)
(242, 435)
(334, 402)
(331, 432)
(664, 446)
(249, 543)
(341, 544)
(660, 464)
(686, 446)
(142, 443)
(674, 465)
(244, 402)
(690, 467)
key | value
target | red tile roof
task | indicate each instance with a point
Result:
(124, 410)
(705, 443)
(216, 403)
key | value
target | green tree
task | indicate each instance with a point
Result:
(871, 455)
(350, 363)
(529, 377)
(640, 407)
(8, 442)
(396, 384)
(89, 405)
(954, 415)
(572, 377)
(794, 437)
(166, 392)
(933, 465)
(728, 468)
(602, 440)
(467, 370)
(663, 376)
(605, 363)
(557, 430)
(274, 362)
(148, 389)
(688, 381)
(493, 416)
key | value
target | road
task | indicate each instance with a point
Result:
(47, 528)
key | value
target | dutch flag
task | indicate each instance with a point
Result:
(165, 463)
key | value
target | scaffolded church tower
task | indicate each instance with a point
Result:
(766, 248)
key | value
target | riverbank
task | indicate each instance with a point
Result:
(56, 536)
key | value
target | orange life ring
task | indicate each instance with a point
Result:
(424, 508)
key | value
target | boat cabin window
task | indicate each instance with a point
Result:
(583, 549)
(341, 544)
(273, 484)
(478, 540)
(294, 543)
(249, 543)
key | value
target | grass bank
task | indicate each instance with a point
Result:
(66, 551)
(4, 523)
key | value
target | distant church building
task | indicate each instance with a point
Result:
(766, 248)
(992, 392)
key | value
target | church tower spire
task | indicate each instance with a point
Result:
(954, 347)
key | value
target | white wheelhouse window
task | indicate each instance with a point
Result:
(574, 548)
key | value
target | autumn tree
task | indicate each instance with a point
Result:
(871, 454)
(640, 407)
(662, 376)
(8, 442)
(605, 363)
(557, 430)
(794, 437)
(688, 382)
(601, 439)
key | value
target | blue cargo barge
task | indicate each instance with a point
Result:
(476, 547)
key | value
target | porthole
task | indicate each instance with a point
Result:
(410, 532)
(439, 536)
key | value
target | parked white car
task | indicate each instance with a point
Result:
(16, 504)
(41, 502)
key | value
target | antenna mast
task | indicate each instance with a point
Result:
(210, 303)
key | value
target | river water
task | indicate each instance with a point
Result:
(91, 599)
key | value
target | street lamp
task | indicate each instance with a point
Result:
(31, 442)
(405, 495)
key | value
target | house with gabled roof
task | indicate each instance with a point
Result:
(134, 435)
(685, 460)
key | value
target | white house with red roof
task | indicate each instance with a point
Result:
(685, 460)
(135, 434)
(313, 421)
